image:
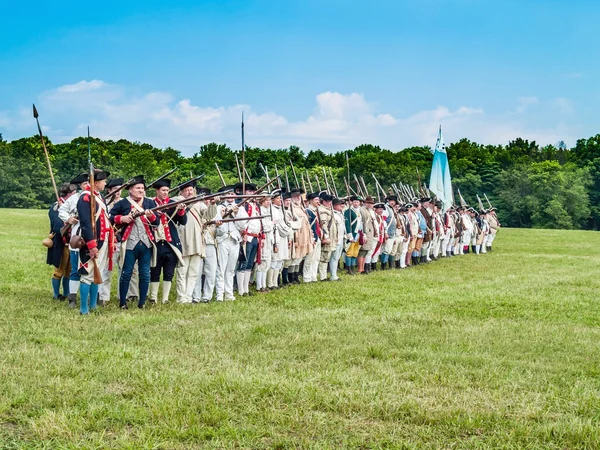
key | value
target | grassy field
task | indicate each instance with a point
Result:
(498, 350)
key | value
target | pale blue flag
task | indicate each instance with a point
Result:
(440, 182)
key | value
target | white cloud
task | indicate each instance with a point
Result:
(564, 105)
(525, 103)
(338, 121)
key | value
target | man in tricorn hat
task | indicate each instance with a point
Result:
(329, 230)
(192, 244)
(67, 212)
(303, 241)
(252, 237)
(98, 240)
(371, 235)
(168, 245)
(311, 262)
(353, 226)
(133, 215)
(58, 252)
(338, 216)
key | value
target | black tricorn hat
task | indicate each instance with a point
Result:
(80, 178)
(287, 195)
(191, 183)
(325, 196)
(248, 187)
(226, 188)
(392, 198)
(337, 201)
(114, 183)
(378, 205)
(161, 183)
(203, 191)
(354, 198)
(312, 195)
(139, 179)
(297, 191)
(100, 175)
(425, 199)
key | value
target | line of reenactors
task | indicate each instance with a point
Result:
(214, 245)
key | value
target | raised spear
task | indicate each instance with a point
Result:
(36, 115)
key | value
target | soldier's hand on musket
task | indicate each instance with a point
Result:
(72, 220)
(127, 219)
(180, 207)
(148, 213)
(94, 253)
(218, 223)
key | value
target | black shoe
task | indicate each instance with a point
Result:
(349, 271)
(124, 306)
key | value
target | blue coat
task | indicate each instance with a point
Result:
(55, 253)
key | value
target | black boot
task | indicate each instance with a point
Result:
(397, 264)
(72, 301)
(473, 249)
(373, 267)
(284, 277)
(349, 270)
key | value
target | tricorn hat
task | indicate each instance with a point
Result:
(161, 183)
(80, 178)
(113, 183)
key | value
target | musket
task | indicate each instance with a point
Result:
(237, 164)
(360, 191)
(247, 175)
(111, 194)
(347, 187)
(348, 166)
(176, 188)
(184, 201)
(378, 187)
(162, 177)
(333, 182)
(248, 197)
(481, 207)
(308, 180)
(488, 200)
(364, 185)
(318, 183)
(97, 274)
(243, 158)
(287, 180)
(278, 177)
(220, 174)
(264, 169)
(303, 183)
(329, 190)
(235, 219)
(294, 172)
(36, 115)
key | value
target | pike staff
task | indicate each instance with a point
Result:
(36, 115)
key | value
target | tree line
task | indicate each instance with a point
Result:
(532, 186)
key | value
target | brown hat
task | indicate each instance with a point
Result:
(369, 199)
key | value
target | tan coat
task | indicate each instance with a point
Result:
(370, 228)
(303, 242)
(191, 234)
(329, 229)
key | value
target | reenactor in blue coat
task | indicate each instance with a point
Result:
(133, 215)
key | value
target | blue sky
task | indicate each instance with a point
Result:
(318, 74)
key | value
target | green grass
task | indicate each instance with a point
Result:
(499, 350)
